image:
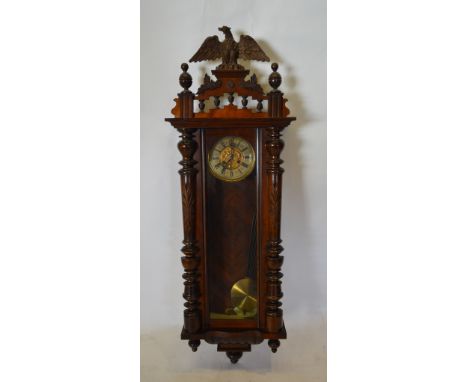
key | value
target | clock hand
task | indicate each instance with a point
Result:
(231, 157)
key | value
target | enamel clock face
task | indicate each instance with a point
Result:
(231, 159)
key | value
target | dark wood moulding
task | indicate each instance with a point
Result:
(219, 123)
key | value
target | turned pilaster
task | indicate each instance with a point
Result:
(190, 261)
(274, 314)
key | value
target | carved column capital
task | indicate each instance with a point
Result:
(274, 145)
(187, 147)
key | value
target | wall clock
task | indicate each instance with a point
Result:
(231, 179)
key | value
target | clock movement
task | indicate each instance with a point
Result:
(231, 179)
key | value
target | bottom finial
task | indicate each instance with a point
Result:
(274, 345)
(194, 344)
(234, 356)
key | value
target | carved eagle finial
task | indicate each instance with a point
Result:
(229, 50)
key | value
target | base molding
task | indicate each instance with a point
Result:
(234, 342)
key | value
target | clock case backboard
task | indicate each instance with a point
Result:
(217, 214)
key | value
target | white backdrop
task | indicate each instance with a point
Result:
(293, 34)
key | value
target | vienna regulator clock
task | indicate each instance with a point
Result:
(231, 200)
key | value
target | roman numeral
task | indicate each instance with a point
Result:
(223, 170)
(244, 164)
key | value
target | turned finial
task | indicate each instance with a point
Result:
(185, 79)
(275, 78)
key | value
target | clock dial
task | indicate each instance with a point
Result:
(231, 159)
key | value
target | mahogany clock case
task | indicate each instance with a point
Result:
(232, 247)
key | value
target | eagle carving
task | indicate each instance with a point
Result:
(229, 50)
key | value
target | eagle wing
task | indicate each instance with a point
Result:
(209, 50)
(250, 50)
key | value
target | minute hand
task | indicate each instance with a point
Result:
(231, 157)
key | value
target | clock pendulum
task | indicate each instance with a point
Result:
(231, 180)
(244, 291)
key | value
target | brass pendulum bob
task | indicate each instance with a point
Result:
(243, 297)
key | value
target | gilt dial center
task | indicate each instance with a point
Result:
(231, 157)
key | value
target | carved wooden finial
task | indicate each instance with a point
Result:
(244, 102)
(259, 105)
(185, 79)
(275, 78)
(201, 105)
(229, 50)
